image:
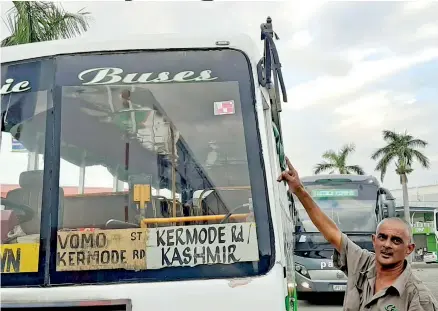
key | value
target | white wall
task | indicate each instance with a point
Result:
(426, 194)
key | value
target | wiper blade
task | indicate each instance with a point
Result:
(271, 55)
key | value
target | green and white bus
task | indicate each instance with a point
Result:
(140, 173)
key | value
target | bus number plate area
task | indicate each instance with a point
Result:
(85, 305)
(339, 288)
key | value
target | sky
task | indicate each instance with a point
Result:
(352, 69)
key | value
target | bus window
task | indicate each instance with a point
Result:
(436, 221)
(22, 142)
(163, 164)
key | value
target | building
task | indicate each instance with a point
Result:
(423, 205)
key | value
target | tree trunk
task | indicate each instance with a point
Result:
(404, 182)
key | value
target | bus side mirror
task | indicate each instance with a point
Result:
(388, 203)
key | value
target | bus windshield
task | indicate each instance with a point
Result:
(350, 205)
(155, 178)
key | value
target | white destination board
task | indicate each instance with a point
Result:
(201, 244)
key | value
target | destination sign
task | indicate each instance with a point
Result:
(19, 258)
(196, 245)
(330, 193)
(156, 248)
(101, 250)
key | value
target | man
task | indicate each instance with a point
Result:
(381, 281)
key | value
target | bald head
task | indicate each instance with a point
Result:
(393, 242)
(395, 221)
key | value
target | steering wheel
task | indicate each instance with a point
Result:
(24, 212)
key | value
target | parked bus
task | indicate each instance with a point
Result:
(432, 256)
(184, 132)
(356, 203)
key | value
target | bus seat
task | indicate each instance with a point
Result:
(30, 193)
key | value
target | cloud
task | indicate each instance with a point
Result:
(300, 39)
(351, 68)
(330, 88)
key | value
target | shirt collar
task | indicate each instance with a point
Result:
(400, 282)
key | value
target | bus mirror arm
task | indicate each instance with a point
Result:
(388, 203)
(387, 193)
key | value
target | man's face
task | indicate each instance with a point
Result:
(392, 243)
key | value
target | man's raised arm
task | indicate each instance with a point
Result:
(324, 224)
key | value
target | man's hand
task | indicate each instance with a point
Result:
(321, 221)
(291, 177)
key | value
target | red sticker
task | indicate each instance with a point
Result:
(226, 107)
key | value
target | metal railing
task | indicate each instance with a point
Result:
(399, 203)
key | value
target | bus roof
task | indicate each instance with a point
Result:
(351, 177)
(131, 43)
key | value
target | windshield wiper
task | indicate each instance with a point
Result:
(268, 66)
(271, 61)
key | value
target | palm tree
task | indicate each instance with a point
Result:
(35, 21)
(401, 149)
(337, 161)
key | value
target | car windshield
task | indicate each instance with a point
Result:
(350, 205)
(155, 181)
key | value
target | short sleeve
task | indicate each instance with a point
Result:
(423, 302)
(426, 300)
(351, 258)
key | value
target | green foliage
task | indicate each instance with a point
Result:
(337, 161)
(36, 21)
(401, 148)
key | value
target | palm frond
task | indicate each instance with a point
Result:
(415, 143)
(390, 136)
(330, 155)
(346, 150)
(355, 169)
(383, 164)
(382, 151)
(322, 167)
(424, 161)
(36, 21)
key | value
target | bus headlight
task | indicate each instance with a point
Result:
(302, 270)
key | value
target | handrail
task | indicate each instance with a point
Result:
(148, 221)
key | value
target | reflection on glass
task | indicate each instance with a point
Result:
(21, 179)
(170, 157)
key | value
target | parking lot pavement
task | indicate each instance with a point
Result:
(429, 275)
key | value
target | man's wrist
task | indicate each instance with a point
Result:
(300, 191)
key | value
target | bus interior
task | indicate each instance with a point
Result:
(146, 152)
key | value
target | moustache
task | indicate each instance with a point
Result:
(386, 251)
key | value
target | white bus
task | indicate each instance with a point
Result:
(140, 174)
